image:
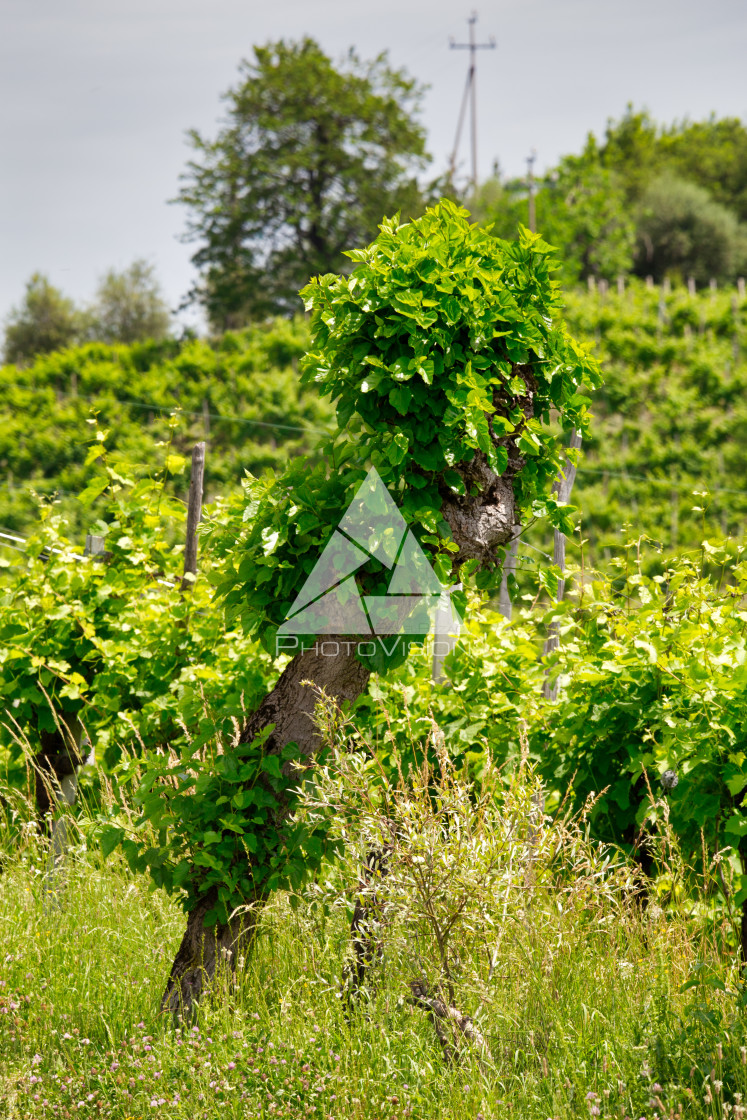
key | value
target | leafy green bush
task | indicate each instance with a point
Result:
(652, 671)
(424, 348)
(491, 696)
(110, 642)
(199, 812)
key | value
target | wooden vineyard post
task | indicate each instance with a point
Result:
(509, 567)
(562, 487)
(445, 632)
(94, 545)
(194, 513)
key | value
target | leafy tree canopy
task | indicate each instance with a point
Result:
(712, 154)
(683, 230)
(306, 162)
(45, 321)
(581, 209)
(657, 200)
(129, 306)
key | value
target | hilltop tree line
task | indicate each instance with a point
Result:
(649, 200)
(311, 155)
(128, 307)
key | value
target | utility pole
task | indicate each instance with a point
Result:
(530, 188)
(470, 91)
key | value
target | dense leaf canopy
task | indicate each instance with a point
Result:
(309, 158)
(443, 346)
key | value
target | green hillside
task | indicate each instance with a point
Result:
(670, 418)
(239, 392)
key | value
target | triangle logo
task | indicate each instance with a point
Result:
(330, 601)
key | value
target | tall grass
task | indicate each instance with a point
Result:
(586, 1009)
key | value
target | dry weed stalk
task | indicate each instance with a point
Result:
(451, 864)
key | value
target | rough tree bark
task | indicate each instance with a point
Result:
(290, 707)
(448, 1022)
(480, 521)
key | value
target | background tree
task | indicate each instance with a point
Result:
(631, 149)
(658, 200)
(129, 306)
(683, 231)
(307, 161)
(712, 154)
(687, 184)
(45, 321)
(581, 210)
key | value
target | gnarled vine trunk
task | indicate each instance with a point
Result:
(290, 707)
(480, 521)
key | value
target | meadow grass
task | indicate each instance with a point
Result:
(584, 1012)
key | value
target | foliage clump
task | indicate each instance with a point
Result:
(106, 646)
(654, 687)
(443, 349)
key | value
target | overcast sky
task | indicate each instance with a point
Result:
(97, 95)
